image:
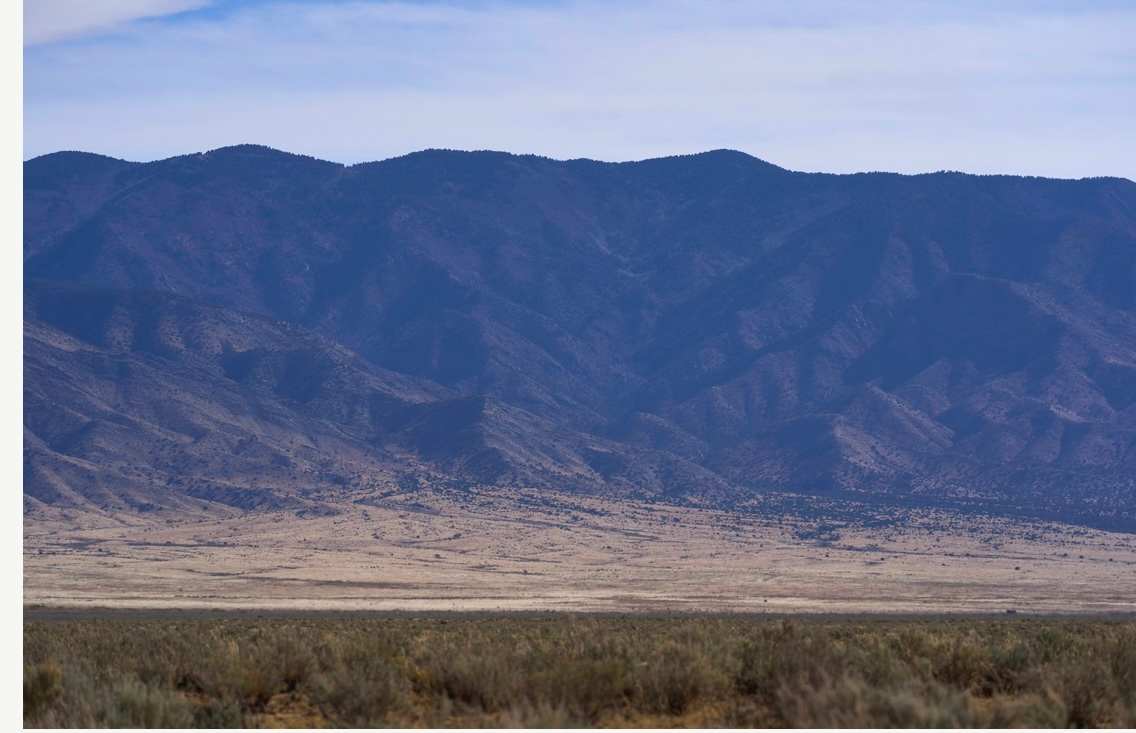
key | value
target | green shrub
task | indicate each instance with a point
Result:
(360, 692)
(676, 677)
(134, 704)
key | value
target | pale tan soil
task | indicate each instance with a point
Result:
(429, 551)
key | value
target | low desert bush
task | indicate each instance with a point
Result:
(562, 670)
(43, 685)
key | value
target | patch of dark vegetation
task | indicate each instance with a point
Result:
(822, 533)
(534, 671)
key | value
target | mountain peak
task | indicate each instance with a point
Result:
(722, 156)
(72, 157)
(250, 150)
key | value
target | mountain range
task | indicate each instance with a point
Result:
(247, 329)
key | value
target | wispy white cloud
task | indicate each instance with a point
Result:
(55, 20)
(1031, 88)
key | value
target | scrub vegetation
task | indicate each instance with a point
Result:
(573, 670)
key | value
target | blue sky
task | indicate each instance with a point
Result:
(1042, 88)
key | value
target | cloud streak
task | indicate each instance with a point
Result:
(843, 87)
(55, 20)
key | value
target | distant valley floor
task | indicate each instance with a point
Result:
(511, 550)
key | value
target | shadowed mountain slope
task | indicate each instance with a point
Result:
(703, 327)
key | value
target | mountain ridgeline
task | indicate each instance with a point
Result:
(246, 329)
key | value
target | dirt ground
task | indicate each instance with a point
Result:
(505, 550)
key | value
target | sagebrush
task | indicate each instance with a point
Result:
(561, 670)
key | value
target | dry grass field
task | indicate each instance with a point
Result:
(510, 551)
(435, 609)
(120, 670)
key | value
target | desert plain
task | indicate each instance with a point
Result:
(508, 549)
